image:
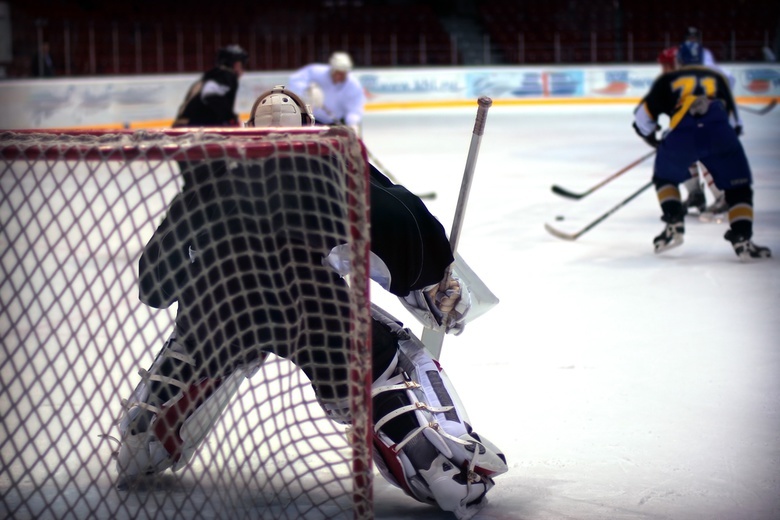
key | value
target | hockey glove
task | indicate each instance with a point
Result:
(651, 139)
(314, 96)
(432, 305)
(738, 130)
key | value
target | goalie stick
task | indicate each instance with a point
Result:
(575, 236)
(434, 338)
(577, 196)
(430, 195)
(759, 111)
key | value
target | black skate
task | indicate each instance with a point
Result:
(745, 248)
(672, 236)
(695, 200)
(719, 206)
(715, 212)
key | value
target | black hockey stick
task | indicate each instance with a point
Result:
(566, 193)
(759, 111)
(575, 236)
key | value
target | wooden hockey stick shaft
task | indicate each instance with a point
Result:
(760, 111)
(428, 195)
(575, 236)
(566, 193)
(433, 339)
(468, 173)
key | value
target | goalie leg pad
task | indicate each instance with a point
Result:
(423, 440)
(169, 415)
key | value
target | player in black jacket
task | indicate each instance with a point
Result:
(247, 286)
(210, 101)
(704, 126)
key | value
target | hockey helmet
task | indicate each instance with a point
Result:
(227, 56)
(280, 107)
(693, 34)
(340, 62)
(690, 53)
(667, 56)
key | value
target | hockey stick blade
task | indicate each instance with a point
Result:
(759, 111)
(575, 236)
(430, 195)
(560, 234)
(569, 194)
(563, 192)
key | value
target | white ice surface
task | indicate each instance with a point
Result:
(619, 383)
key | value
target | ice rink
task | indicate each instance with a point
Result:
(621, 384)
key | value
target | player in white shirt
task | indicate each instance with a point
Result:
(335, 96)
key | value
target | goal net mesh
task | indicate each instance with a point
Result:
(112, 243)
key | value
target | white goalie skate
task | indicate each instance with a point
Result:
(162, 429)
(423, 441)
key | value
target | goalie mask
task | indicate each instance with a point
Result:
(280, 107)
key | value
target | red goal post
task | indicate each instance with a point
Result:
(77, 208)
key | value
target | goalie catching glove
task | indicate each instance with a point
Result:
(446, 304)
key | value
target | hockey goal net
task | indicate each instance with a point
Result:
(77, 210)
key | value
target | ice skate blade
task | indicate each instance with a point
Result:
(661, 248)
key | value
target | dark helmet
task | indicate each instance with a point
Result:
(693, 34)
(690, 53)
(227, 56)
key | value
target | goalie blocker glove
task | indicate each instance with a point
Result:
(433, 304)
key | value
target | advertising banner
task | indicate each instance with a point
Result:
(152, 101)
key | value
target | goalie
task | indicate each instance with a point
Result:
(423, 441)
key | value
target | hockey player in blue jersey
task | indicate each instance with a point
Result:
(704, 126)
